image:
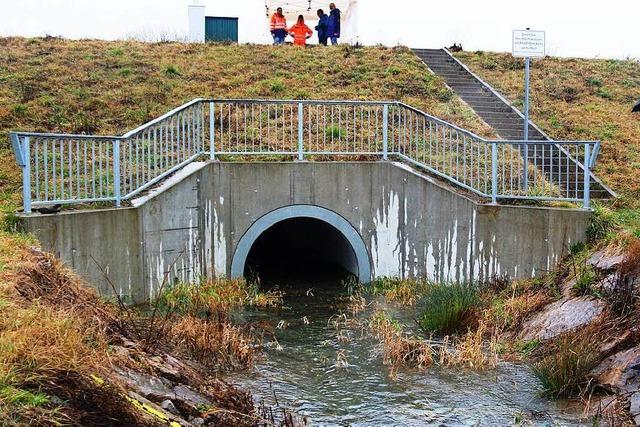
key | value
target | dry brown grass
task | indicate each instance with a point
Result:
(477, 350)
(509, 312)
(54, 338)
(578, 99)
(218, 345)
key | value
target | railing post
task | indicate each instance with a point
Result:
(116, 171)
(525, 161)
(212, 134)
(26, 175)
(587, 177)
(494, 173)
(300, 131)
(385, 132)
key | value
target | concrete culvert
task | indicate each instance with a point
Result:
(301, 250)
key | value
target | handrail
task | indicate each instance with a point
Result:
(504, 100)
(69, 168)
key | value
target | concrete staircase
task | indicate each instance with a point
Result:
(498, 113)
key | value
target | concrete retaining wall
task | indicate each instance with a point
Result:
(411, 225)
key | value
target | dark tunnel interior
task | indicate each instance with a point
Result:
(301, 251)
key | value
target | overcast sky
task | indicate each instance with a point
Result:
(586, 28)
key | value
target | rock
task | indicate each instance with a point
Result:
(601, 405)
(159, 415)
(168, 406)
(121, 351)
(165, 368)
(190, 397)
(620, 372)
(197, 421)
(562, 316)
(148, 386)
(603, 261)
(610, 344)
(634, 407)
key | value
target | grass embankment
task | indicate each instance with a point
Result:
(67, 357)
(581, 99)
(100, 87)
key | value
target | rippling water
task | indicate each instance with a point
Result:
(342, 381)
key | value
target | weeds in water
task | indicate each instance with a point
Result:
(449, 307)
(399, 349)
(213, 343)
(471, 350)
(215, 297)
(404, 291)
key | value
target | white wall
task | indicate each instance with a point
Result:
(574, 28)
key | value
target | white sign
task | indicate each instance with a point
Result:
(528, 44)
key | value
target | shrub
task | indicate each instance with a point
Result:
(19, 110)
(11, 222)
(444, 95)
(586, 278)
(405, 291)
(604, 93)
(601, 222)
(576, 248)
(489, 64)
(334, 132)
(449, 307)
(171, 70)
(564, 367)
(594, 81)
(277, 86)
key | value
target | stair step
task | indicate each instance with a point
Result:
(500, 115)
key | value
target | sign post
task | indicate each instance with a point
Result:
(527, 44)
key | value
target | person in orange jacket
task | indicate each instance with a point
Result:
(300, 32)
(278, 27)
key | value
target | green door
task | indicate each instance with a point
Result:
(218, 29)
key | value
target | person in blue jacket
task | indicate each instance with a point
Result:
(333, 28)
(322, 26)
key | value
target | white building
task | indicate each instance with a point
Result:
(588, 28)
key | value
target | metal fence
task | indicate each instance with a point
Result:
(67, 169)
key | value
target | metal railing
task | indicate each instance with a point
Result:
(68, 169)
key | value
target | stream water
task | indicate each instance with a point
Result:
(338, 378)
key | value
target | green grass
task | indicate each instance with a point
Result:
(19, 397)
(449, 307)
(334, 132)
(602, 223)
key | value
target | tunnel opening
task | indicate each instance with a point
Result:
(299, 251)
